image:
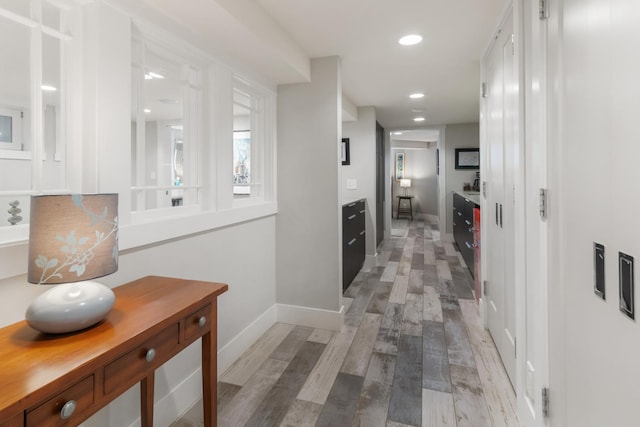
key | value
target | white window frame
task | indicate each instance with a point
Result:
(194, 92)
(262, 127)
(16, 116)
(10, 235)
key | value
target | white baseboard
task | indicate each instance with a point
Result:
(432, 219)
(369, 262)
(241, 342)
(311, 317)
(482, 310)
(188, 392)
(183, 396)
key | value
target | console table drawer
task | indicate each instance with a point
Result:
(134, 365)
(197, 323)
(64, 408)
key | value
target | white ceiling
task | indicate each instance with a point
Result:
(428, 135)
(378, 71)
(278, 37)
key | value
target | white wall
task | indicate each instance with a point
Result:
(594, 129)
(221, 254)
(457, 136)
(309, 226)
(362, 168)
(420, 168)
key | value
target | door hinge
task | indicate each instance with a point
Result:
(485, 286)
(484, 189)
(545, 402)
(543, 203)
(513, 44)
(543, 9)
(483, 90)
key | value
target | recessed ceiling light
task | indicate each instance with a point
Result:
(410, 40)
(155, 75)
(146, 110)
(416, 95)
(397, 133)
(147, 77)
(418, 119)
(48, 88)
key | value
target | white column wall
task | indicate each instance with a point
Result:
(309, 225)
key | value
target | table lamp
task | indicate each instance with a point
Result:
(73, 238)
(405, 183)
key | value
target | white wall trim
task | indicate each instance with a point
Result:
(370, 262)
(151, 232)
(178, 402)
(241, 342)
(426, 216)
(189, 391)
(311, 317)
(448, 237)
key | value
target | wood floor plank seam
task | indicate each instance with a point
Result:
(412, 352)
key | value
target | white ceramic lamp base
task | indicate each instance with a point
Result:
(70, 307)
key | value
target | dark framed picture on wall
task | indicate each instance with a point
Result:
(467, 158)
(345, 156)
(399, 166)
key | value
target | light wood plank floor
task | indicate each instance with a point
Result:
(412, 352)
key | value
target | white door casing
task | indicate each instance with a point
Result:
(515, 155)
(501, 149)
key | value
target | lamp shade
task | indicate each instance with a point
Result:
(405, 183)
(72, 237)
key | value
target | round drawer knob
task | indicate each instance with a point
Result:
(68, 409)
(151, 354)
(202, 321)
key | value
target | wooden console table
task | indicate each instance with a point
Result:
(60, 380)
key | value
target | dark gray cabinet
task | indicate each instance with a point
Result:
(353, 240)
(463, 227)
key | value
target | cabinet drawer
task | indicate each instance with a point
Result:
(198, 323)
(350, 216)
(362, 211)
(349, 210)
(134, 365)
(50, 413)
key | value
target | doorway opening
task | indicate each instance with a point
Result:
(414, 174)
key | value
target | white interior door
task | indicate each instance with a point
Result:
(502, 151)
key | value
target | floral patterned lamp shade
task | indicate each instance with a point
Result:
(73, 238)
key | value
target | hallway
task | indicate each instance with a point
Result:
(412, 352)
